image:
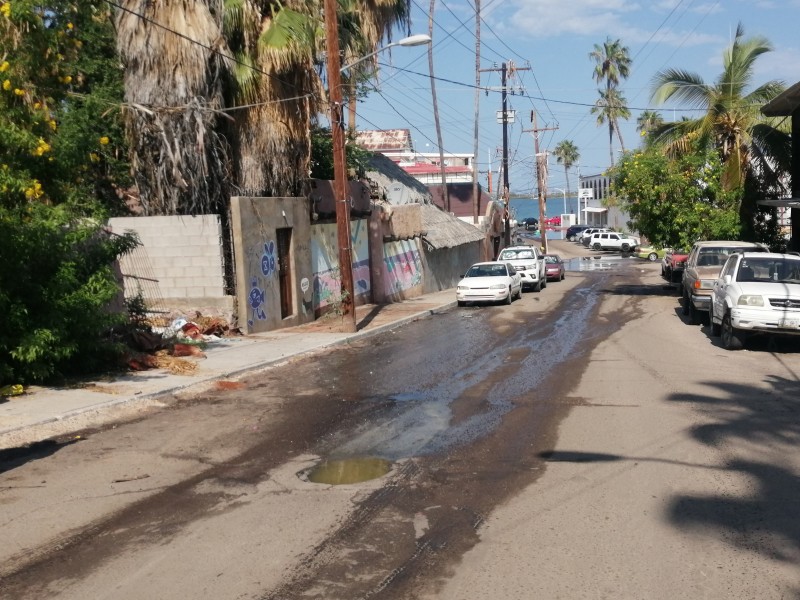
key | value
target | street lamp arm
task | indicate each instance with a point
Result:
(412, 40)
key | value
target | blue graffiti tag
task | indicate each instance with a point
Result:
(256, 298)
(268, 259)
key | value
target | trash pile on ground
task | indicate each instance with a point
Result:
(165, 343)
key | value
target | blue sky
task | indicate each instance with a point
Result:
(554, 38)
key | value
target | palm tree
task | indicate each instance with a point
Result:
(732, 119)
(648, 121)
(223, 94)
(613, 63)
(566, 153)
(610, 107)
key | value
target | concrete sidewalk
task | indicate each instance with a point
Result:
(44, 412)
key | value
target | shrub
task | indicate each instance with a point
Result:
(56, 283)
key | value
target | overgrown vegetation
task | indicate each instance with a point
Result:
(61, 174)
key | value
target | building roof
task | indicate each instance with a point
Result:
(783, 104)
(442, 230)
(431, 169)
(385, 140)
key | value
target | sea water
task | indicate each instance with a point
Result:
(522, 208)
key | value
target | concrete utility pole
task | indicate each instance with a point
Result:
(347, 290)
(505, 118)
(541, 177)
(476, 200)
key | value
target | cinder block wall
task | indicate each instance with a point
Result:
(184, 255)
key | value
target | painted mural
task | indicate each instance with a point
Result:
(325, 262)
(402, 266)
(261, 267)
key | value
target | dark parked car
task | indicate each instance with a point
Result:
(575, 231)
(529, 223)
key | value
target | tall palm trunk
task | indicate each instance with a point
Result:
(442, 167)
(173, 88)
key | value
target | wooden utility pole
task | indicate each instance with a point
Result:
(339, 169)
(506, 117)
(541, 177)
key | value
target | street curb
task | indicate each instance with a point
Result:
(152, 397)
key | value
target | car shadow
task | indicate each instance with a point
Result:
(11, 458)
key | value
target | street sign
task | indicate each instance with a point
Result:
(510, 114)
(586, 193)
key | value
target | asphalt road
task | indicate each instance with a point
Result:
(585, 442)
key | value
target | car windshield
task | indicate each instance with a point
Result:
(769, 270)
(551, 259)
(487, 271)
(515, 254)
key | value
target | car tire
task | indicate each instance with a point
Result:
(562, 277)
(626, 248)
(716, 328)
(461, 303)
(510, 298)
(597, 247)
(571, 238)
(686, 303)
(731, 339)
(538, 286)
(652, 257)
(694, 314)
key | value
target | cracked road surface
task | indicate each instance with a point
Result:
(584, 442)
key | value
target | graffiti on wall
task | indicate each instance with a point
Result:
(402, 266)
(325, 262)
(264, 257)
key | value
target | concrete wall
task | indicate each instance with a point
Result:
(255, 222)
(180, 262)
(326, 281)
(444, 267)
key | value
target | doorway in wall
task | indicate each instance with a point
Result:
(284, 239)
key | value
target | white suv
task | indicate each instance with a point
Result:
(611, 240)
(756, 292)
(586, 234)
(528, 262)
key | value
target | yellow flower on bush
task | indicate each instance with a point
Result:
(69, 26)
(41, 148)
(19, 92)
(4, 66)
(34, 191)
(5, 9)
(104, 140)
(7, 84)
(67, 79)
(94, 157)
(52, 124)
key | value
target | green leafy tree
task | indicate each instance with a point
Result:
(648, 121)
(60, 173)
(566, 153)
(748, 143)
(674, 202)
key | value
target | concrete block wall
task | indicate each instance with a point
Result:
(184, 255)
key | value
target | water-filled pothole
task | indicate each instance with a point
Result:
(347, 470)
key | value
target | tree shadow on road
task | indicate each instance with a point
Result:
(766, 520)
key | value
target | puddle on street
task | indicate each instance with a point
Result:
(347, 470)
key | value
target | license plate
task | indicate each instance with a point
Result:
(790, 323)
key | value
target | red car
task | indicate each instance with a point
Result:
(553, 267)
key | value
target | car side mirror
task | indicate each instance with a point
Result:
(727, 279)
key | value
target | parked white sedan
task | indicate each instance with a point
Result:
(494, 281)
(756, 292)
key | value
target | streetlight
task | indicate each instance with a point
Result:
(347, 290)
(418, 39)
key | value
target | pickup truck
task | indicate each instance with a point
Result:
(701, 270)
(529, 263)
